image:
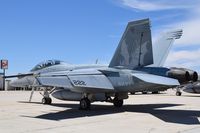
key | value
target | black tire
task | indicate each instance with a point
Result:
(118, 103)
(155, 92)
(132, 93)
(46, 100)
(49, 101)
(144, 92)
(85, 104)
(178, 93)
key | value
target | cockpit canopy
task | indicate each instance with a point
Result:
(46, 64)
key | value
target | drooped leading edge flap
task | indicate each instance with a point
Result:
(135, 47)
(88, 81)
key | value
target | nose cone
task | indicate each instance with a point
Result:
(17, 83)
(21, 82)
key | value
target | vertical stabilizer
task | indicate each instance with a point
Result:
(135, 47)
(163, 45)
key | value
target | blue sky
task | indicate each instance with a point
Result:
(79, 32)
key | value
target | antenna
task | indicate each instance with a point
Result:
(97, 60)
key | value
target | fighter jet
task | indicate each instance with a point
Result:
(161, 50)
(127, 72)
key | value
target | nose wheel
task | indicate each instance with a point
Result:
(85, 104)
(46, 100)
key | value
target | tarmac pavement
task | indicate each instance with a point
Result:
(149, 113)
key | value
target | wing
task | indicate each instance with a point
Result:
(135, 47)
(78, 81)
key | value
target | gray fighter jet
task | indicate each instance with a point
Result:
(127, 72)
(161, 50)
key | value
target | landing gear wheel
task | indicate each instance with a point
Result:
(46, 100)
(178, 93)
(49, 101)
(85, 104)
(144, 92)
(132, 93)
(118, 103)
(155, 92)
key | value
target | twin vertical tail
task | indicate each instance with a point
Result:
(163, 45)
(135, 47)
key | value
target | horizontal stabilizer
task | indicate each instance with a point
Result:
(154, 79)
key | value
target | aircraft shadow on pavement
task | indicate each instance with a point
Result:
(168, 115)
(190, 95)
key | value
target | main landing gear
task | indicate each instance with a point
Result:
(118, 103)
(155, 92)
(85, 104)
(144, 92)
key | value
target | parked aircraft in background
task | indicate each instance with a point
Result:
(186, 78)
(193, 87)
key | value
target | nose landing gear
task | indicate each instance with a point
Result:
(46, 100)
